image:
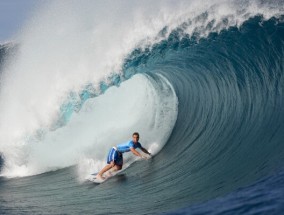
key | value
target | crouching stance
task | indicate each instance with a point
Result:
(115, 157)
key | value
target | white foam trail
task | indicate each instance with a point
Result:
(68, 44)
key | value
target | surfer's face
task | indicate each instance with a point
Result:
(135, 138)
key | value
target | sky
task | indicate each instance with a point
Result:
(13, 15)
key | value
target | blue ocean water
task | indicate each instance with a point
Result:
(265, 196)
(225, 152)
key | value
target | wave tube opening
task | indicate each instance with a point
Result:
(143, 103)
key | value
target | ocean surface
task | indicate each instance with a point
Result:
(201, 82)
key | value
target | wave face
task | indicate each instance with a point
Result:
(203, 85)
(230, 123)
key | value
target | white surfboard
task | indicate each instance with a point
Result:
(93, 178)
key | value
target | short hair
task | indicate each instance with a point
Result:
(135, 133)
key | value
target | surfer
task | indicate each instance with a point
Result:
(115, 158)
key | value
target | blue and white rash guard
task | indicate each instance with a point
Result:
(125, 147)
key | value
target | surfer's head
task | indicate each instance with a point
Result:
(135, 137)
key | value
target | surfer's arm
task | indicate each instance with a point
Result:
(135, 152)
(145, 150)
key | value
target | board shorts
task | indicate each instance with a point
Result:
(115, 156)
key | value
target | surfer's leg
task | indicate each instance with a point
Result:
(117, 167)
(114, 169)
(110, 161)
(106, 168)
(118, 164)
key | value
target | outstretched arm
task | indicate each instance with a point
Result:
(135, 152)
(138, 154)
(145, 151)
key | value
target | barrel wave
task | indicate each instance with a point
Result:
(205, 92)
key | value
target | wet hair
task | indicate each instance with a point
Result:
(135, 133)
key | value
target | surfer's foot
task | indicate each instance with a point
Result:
(100, 177)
